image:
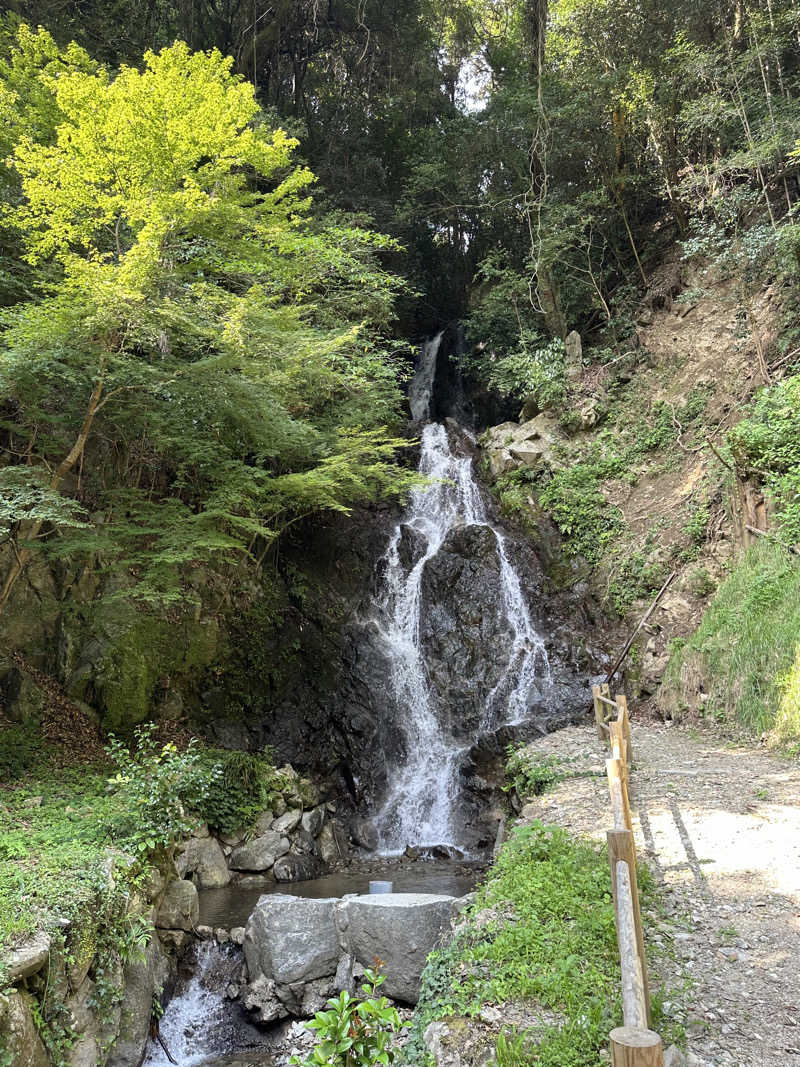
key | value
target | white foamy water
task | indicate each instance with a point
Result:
(197, 1022)
(423, 788)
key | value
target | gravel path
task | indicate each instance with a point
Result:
(719, 827)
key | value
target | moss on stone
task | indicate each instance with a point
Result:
(141, 655)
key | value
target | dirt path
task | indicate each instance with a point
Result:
(720, 828)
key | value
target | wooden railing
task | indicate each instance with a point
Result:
(634, 1044)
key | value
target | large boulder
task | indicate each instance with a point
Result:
(312, 820)
(260, 853)
(180, 907)
(19, 1037)
(141, 978)
(512, 445)
(365, 834)
(28, 958)
(400, 928)
(291, 939)
(333, 842)
(287, 822)
(296, 868)
(94, 1029)
(204, 860)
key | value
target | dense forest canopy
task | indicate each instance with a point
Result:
(201, 340)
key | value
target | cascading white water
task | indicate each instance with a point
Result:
(199, 1021)
(421, 388)
(423, 788)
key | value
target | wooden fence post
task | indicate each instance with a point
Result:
(621, 848)
(622, 701)
(618, 745)
(636, 1048)
(599, 717)
(620, 805)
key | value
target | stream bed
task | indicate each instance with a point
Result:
(202, 1027)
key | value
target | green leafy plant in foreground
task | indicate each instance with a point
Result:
(355, 1032)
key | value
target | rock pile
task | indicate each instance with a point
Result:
(299, 839)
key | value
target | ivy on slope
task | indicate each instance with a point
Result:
(540, 931)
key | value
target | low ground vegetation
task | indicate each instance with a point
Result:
(61, 826)
(540, 933)
(742, 664)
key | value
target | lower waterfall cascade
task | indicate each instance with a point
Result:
(423, 786)
(199, 1020)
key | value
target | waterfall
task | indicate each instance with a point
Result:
(421, 388)
(199, 1021)
(423, 787)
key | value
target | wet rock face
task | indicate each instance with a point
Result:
(465, 634)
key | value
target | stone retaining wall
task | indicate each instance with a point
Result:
(292, 842)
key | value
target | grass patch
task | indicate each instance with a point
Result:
(55, 833)
(746, 651)
(541, 929)
(59, 825)
(530, 773)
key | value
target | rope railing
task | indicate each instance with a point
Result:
(634, 1044)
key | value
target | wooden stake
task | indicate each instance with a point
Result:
(619, 795)
(635, 1048)
(634, 1009)
(621, 849)
(629, 643)
(622, 701)
(618, 746)
(599, 715)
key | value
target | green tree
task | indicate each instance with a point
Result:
(206, 364)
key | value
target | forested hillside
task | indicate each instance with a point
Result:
(219, 253)
(260, 262)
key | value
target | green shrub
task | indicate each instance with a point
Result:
(531, 775)
(580, 510)
(160, 786)
(767, 444)
(240, 786)
(19, 749)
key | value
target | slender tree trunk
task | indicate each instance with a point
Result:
(30, 531)
(547, 290)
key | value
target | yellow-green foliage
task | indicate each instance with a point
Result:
(746, 652)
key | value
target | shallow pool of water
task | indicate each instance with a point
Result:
(233, 905)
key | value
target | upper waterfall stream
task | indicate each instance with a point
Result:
(423, 786)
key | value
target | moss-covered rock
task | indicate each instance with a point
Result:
(19, 1038)
(132, 661)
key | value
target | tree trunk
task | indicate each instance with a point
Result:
(30, 531)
